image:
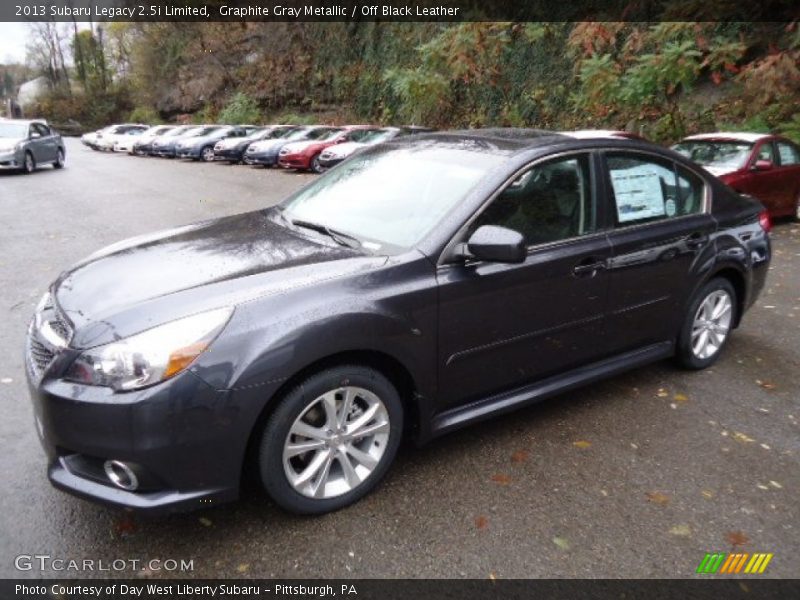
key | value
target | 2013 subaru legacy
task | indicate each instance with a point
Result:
(423, 285)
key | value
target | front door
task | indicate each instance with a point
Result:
(505, 325)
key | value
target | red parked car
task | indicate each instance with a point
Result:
(762, 165)
(304, 155)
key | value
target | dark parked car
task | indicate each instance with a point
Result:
(761, 165)
(232, 149)
(164, 145)
(265, 152)
(24, 145)
(201, 146)
(423, 285)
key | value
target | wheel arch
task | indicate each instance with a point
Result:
(389, 366)
(739, 283)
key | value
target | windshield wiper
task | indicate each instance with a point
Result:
(339, 237)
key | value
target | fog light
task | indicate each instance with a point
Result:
(121, 475)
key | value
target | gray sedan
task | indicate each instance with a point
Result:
(24, 145)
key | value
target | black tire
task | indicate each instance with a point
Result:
(29, 164)
(207, 154)
(685, 354)
(294, 404)
(796, 216)
(59, 162)
(314, 165)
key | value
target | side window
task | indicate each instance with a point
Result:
(766, 152)
(647, 189)
(549, 202)
(788, 154)
(42, 129)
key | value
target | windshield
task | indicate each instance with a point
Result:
(179, 131)
(13, 130)
(203, 131)
(375, 198)
(716, 153)
(161, 130)
(376, 137)
(322, 134)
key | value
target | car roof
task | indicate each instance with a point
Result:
(502, 140)
(583, 134)
(25, 121)
(730, 135)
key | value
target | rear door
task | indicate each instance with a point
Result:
(766, 185)
(789, 167)
(661, 229)
(505, 325)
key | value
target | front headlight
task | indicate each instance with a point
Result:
(151, 356)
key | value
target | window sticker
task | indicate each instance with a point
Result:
(670, 208)
(638, 193)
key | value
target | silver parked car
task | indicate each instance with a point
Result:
(24, 145)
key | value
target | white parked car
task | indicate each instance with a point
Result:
(106, 138)
(136, 143)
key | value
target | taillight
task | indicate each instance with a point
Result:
(763, 220)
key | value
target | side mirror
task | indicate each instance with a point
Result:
(497, 244)
(35, 135)
(762, 165)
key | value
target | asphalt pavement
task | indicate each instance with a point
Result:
(637, 476)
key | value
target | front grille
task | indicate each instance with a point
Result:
(60, 326)
(40, 356)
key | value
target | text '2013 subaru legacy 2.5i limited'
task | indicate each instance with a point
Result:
(422, 285)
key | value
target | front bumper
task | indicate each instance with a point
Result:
(268, 159)
(193, 153)
(229, 154)
(11, 161)
(329, 162)
(168, 151)
(185, 439)
(294, 161)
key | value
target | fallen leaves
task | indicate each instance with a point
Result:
(125, 525)
(6, 380)
(680, 398)
(501, 478)
(520, 456)
(205, 521)
(767, 385)
(736, 538)
(582, 444)
(662, 393)
(562, 543)
(657, 498)
(707, 494)
(681, 530)
(481, 522)
(742, 437)
(243, 568)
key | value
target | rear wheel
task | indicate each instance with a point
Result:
(29, 164)
(59, 162)
(797, 208)
(330, 440)
(707, 324)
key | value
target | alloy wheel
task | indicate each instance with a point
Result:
(208, 154)
(29, 164)
(336, 443)
(711, 325)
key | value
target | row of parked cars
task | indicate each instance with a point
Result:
(762, 165)
(301, 147)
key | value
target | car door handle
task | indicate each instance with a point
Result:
(696, 240)
(588, 267)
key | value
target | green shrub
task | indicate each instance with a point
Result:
(241, 109)
(144, 114)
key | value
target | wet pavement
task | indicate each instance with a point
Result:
(637, 476)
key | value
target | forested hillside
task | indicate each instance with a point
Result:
(661, 79)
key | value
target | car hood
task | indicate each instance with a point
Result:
(720, 171)
(267, 145)
(9, 141)
(293, 147)
(148, 280)
(345, 149)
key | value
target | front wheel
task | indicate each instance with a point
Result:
(29, 164)
(707, 324)
(331, 439)
(315, 166)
